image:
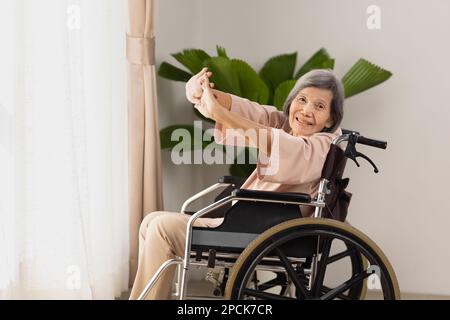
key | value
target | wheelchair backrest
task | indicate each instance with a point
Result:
(334, 164)
(338, 200)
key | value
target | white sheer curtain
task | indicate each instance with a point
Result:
(63, 149)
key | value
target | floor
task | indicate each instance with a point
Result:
(199, 287)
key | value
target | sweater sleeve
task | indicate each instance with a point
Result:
(263, 114)
(294, 160)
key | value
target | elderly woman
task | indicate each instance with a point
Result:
(295, 142)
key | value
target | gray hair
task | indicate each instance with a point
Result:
(322, 79)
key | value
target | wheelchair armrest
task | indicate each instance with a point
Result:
(236, 181)
(270, 196)
(201, 194)
(228, 182)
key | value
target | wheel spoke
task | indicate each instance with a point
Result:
(339, 256)
(326, 289)
(292, 274)
(345, 286)
(322, 267)
(264, 295)
(277, 281)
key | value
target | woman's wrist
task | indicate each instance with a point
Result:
(220, 113)
(223, 98)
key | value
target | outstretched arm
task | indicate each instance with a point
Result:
(212, 108)
(263, 114)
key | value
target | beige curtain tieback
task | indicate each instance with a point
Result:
(141, 50)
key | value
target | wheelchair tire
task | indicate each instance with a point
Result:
(359, 245)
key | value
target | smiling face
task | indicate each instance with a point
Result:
(310, 111)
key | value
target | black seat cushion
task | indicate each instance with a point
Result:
(243, 222)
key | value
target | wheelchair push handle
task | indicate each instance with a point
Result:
(372, 142)
(366, 141)
(353, 138)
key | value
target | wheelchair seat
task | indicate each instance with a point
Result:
(247, 219)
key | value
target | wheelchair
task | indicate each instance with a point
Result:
(264, 249)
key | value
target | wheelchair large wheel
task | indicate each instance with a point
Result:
(279, 241)
(278, 282)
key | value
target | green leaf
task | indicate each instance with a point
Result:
(278, 69)
(241, 170)
(193, 140)
(192, 59)
(320, 60)
(282, 92)
(223, 75)
(202, 117)
(362, 76)
(251, 85)
(221, 52)
(168, 71)
(244, 170)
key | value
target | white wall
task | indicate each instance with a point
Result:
(403, 209)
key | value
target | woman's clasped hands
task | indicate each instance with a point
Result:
(199, 91)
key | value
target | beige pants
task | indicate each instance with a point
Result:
(162, 236)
